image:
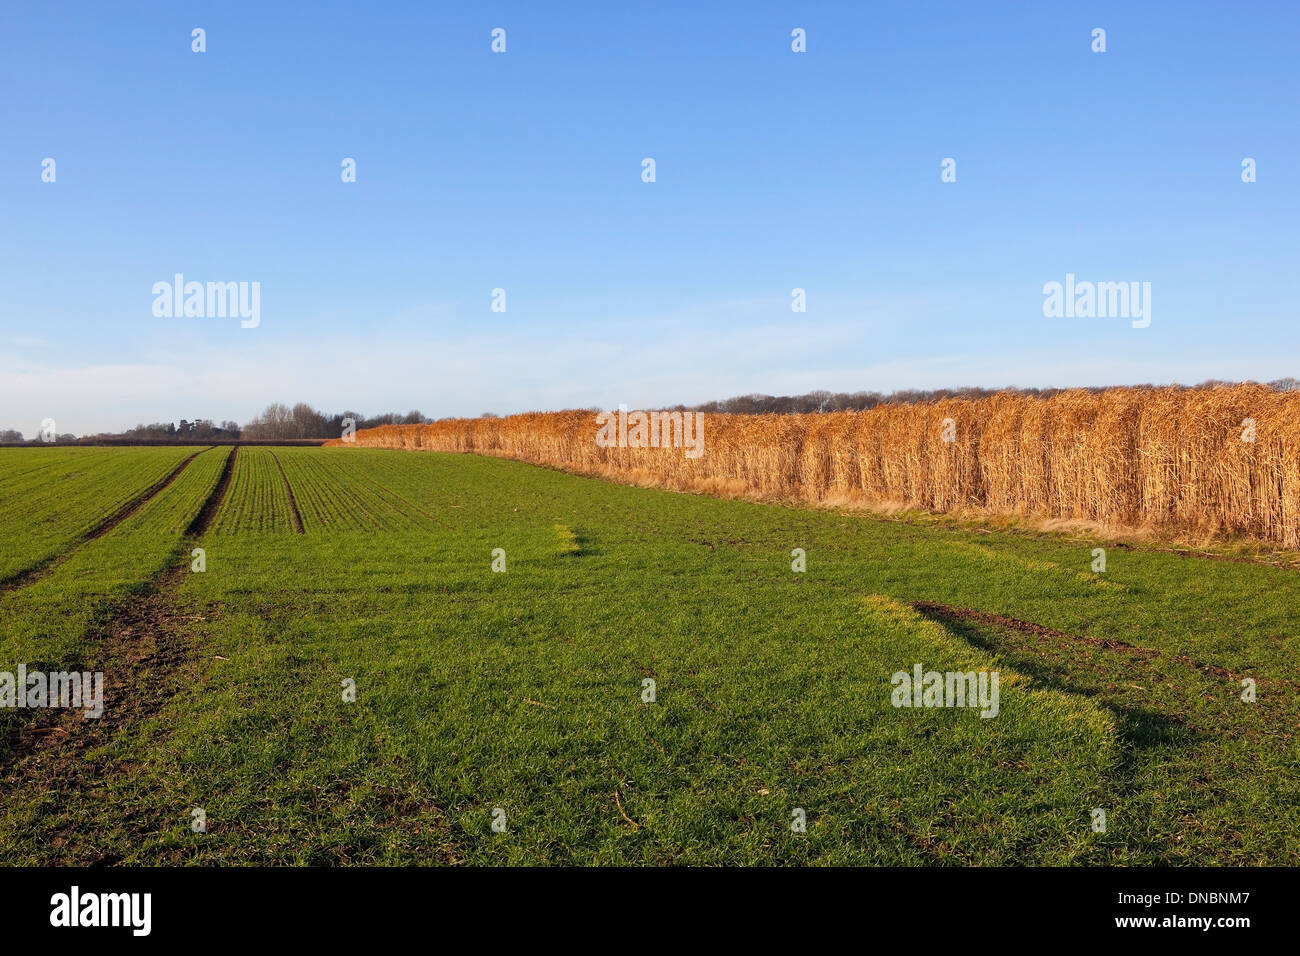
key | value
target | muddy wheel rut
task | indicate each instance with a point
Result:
(954, 613)
(210, 507)
(65, 766)
(288, 490)
(29, 576)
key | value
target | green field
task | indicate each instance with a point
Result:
(523, 693)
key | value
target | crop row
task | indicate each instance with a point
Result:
(353, 493)
(49, 619)
(51, 497)
(257, 499)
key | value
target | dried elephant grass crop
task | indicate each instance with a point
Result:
(1169, 458)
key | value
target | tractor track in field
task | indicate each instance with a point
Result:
(29, 576)
(209, 510)
(64, 765)
(954, 613)
(288, 488)
(148, 653)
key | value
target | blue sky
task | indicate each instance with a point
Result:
(522, 171)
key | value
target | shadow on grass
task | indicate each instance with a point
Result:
(1142, 727)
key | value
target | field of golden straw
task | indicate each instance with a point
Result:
(1223, 460)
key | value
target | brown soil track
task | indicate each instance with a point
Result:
(134, 645)
(954, 613)
(148, 654)
(209, 510)
(288, 488)
(101, 528)
(67, 765)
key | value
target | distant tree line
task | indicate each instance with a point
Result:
(280, 421)
(9, 436)
(824, 401)
(276, 423)
(201, 429)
